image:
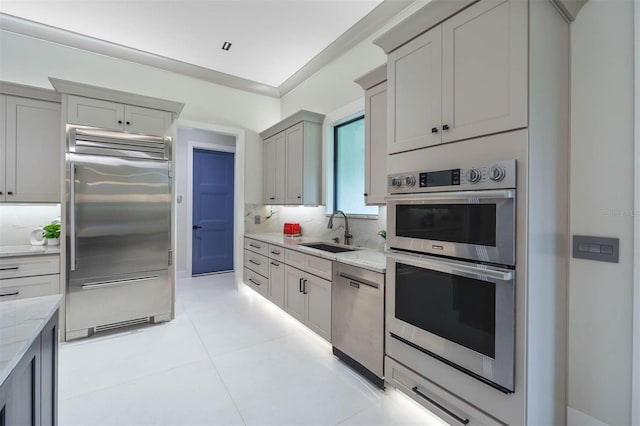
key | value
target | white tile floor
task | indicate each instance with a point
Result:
(229, 358)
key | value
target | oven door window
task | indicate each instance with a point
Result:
(455, 308)
(456, 223)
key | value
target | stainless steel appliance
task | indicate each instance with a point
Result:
(118, 230)
(466, 213)
(451, 271)
(357, 320)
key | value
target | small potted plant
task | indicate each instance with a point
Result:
(52, 234)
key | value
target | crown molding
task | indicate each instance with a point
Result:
(354, 35)
(68, 38)
(292, 120)
(373, 77)
(15, 89)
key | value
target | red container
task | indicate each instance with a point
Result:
(292, 229)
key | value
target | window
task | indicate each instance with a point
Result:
(348, 171)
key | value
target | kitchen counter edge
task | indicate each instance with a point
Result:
(364, 258)
(21, 322)
(27, 250)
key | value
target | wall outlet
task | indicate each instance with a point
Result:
(256, 219)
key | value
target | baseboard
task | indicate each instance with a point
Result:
(578, 418)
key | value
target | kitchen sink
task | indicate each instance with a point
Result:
(328, 247)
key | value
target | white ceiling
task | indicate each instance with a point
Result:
(271, 39)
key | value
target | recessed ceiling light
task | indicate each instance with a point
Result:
(226, 46)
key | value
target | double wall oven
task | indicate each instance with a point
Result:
(451, 270)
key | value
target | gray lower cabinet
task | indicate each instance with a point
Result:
(276, 282)
(29, 396)
(308, 299)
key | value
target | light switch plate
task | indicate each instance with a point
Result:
(596, 248)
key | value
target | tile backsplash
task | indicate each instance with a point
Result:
(17, 221)
(313, 221)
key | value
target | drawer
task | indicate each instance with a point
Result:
(256, 282)
(276, 252)
(440, 402)
(256, 262)
(22, 288)
(26, 266)
(318, 266)
(294, 258)
(256, 246)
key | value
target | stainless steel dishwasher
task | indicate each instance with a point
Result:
(357, 320)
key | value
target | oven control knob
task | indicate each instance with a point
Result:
(396, 182)
(473, 175)
(410, 181)
(497, 173)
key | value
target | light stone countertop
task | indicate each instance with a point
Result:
(28, 250)
(21, 321)
(365, 258)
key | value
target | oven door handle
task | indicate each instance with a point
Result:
(456, 195)
(482, 271)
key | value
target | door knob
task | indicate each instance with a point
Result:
(197, 227)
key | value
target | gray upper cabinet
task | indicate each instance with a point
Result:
(293, 160)
(30, 150)
(274, 172)
(375, 135)
(464, 78)
(117, 116)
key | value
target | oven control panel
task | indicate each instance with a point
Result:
(497, 175)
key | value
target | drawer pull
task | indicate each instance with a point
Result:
(255, 282)
(275, 264)
(254, 262)
(15, 293)
(255, 246)
(114, 283)
(276, 252)
(10, 268)
(446, 410)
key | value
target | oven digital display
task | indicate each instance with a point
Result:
(459, 309)
(441, 178)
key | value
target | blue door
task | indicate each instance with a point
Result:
(212, 211)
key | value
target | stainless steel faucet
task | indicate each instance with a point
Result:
(347, 235)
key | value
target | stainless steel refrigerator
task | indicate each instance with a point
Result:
(118, 230)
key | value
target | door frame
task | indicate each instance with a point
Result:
(238, 190)
(191, 146)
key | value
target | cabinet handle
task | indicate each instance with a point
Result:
(9, 192)
(434, 130)
(275, 264)
(445, 127)
(300, 285)
(0, 192)
(15, 293)
(128, 123)
(119, 121)
(255, 282)
(299, 197)
(366, 195)
(304, 286)
(272, 198)
(10, 268)
(446, 410)
(254, 246)
(254, 262)
(275, 252)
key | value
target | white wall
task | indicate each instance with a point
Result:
(600, 294)
(18, 220)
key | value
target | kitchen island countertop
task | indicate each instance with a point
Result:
(28, 250)
(21, 321)
(366, 258)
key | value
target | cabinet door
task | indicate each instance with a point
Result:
(146, 121)
(276, 282)
(95, 112)
(484, 69)
(33, 151)
(318, 305)
(294, 164)
(414, 89)
(20, 393)
(3, 150)
(375, 172)
(293, 295)
(274, 169)
(49, 373)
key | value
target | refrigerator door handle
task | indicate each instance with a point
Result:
(102, 284)
(72, 216)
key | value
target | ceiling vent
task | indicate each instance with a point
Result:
(226, 46)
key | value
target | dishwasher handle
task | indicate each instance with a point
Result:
(357, 281)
